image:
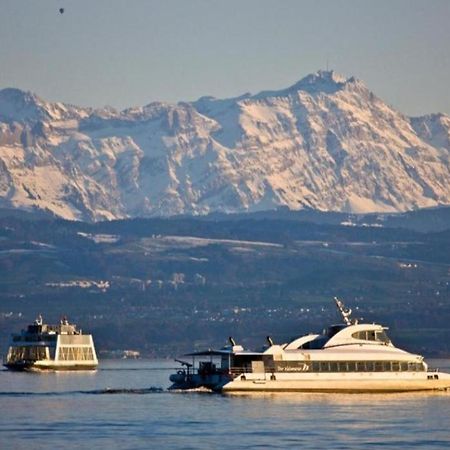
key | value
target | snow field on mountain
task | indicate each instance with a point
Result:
(326, 143)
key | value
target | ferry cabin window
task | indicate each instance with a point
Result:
(34, 338)
(378, 366)
(51, 352)
(206, 367)
(381, 336)
(290, 366)
(245, 360)
(225, 362)
(75, 354)
(371, 335)
(366, 366)
(416, 367)
(27, 353)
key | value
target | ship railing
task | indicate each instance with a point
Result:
(239, 370)
(218, 371)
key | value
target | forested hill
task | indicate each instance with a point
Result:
(162, 286)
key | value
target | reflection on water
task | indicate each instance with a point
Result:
(125, 405)
(340, 399)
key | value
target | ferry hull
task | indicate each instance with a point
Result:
(365, 383)
(38, 367)
(379, 386)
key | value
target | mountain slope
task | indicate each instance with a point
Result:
(326, 143)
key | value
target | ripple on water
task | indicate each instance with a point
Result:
(127, 407)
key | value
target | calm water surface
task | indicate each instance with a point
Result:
(118, 407)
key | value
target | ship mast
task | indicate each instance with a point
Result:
(345, 312)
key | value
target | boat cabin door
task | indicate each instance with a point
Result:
(258, 370)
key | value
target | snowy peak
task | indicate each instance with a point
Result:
(25, 107)
(20, 106)
(320, 82)
(326, 143)
(326, 82)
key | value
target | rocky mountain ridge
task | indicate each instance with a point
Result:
(327, 143)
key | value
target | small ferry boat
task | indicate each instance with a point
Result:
(51, 347)
(348, 357)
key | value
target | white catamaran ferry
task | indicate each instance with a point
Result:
(51, 347)
(348, 357)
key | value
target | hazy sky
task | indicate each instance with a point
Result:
(131, 52)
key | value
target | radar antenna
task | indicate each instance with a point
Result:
(345, 312)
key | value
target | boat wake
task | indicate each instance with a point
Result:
(135, 391)
(198, 390)
(150, 390)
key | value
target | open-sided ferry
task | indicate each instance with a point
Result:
(51, 347)
(348, 357)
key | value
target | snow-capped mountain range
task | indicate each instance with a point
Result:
(327, 143)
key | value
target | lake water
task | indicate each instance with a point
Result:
(122, 406)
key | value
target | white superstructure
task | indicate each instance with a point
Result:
(51, 347)
(349, 357)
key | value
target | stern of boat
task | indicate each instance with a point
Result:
(206, 376)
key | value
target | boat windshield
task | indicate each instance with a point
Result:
(372, 335)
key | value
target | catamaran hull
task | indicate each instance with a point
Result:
(343, 386)
(365, 383)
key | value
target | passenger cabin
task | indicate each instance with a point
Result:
(332, 351)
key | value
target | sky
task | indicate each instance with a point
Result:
(126, 53)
